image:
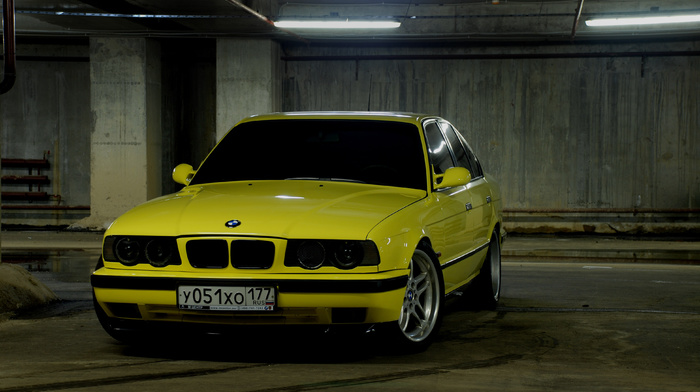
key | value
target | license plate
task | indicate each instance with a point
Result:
(226, 298)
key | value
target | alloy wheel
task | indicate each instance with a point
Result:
(421, 304)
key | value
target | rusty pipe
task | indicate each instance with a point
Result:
(8, 45)
(44, 207)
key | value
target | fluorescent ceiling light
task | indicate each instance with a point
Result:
(647, 20)
(337, 24)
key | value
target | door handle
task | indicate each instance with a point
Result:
(488, 199)
(469, 206)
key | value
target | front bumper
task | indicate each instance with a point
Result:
(302, 299)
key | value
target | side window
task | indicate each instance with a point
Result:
(439, 152)
(478, 171)
(457, 146)
(460, 146)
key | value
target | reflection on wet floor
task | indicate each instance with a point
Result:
(66, 272)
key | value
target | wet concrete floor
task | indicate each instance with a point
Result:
(561, 326)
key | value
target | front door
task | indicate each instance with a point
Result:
(461, 242)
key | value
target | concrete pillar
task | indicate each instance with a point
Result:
(125, 97)
(248, 80)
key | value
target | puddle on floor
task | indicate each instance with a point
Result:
(66, 273)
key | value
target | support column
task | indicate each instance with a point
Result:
(126, 140)
(248, 80)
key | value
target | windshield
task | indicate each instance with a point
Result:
(367, 151)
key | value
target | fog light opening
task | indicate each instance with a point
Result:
(348, 315)
(123, 310)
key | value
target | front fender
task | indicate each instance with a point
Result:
(398, 236)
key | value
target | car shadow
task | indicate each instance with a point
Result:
(283, 344)
(262, 345)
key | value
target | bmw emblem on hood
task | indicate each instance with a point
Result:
(233, 223)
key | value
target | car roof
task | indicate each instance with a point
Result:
(406, 117)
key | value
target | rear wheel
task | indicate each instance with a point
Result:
(487, 286)
(421, 310)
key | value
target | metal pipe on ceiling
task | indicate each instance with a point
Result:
(8, 44)
(264, 18)
(577, 18)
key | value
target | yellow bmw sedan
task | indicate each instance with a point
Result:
(330, 219)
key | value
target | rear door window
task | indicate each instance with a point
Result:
(440, 155)
(463, 153)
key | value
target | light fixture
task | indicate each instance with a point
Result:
(645, 20)
(337, 24)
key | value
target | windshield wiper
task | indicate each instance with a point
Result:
(303, 178)
(326, 179)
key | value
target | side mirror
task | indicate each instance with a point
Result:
(454, 176)
(183, 173)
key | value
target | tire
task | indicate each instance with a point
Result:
(421, 311)
(114, 328)
(110, 325)
(487, 285)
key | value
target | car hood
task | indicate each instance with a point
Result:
(285, 209)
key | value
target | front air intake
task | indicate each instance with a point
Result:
(207, 253)
(250, 254)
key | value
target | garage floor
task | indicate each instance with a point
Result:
(568, 321)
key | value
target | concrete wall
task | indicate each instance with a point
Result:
(614, 136)
(125, 150)
(607, 142)
(247, 80)
(47, 113)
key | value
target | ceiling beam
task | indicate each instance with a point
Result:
(124, 7)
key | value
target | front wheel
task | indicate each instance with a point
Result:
(421, 310)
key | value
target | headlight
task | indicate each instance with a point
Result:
(158, 252)
(128, 250)
(348, 254)
(314, 254)
(311, 254)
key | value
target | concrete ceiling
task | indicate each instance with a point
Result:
(422, 20)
